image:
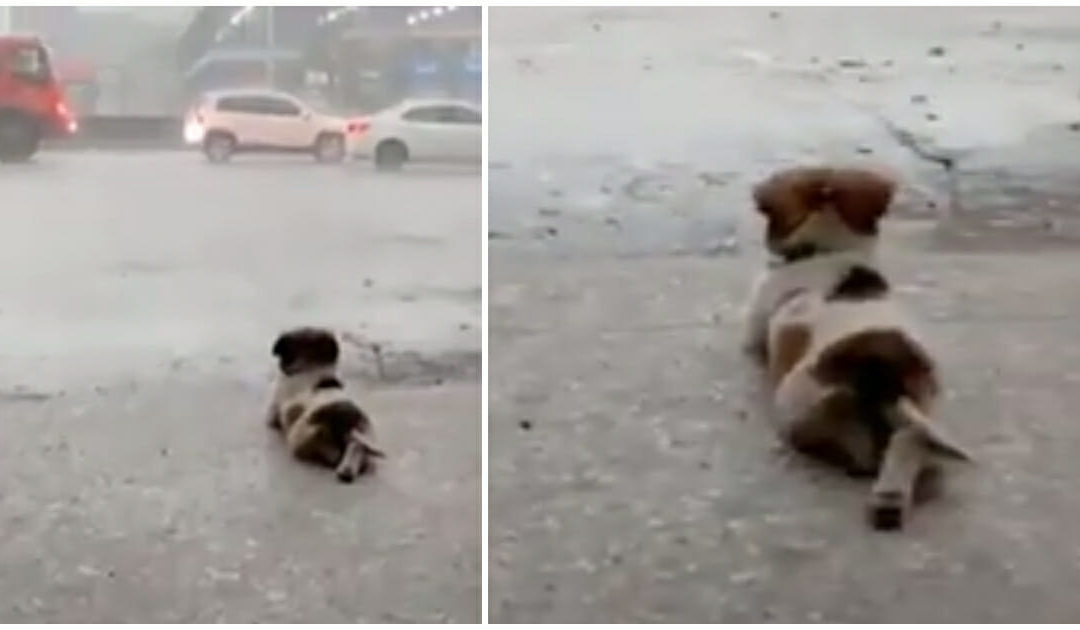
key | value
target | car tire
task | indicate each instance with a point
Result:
(219, 146)
(390, 155)
(330, 148)
(20, 138)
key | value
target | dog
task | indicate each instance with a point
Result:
(852, 380)
(319, 421)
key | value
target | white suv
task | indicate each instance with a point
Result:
(234, 121)
(421, 130)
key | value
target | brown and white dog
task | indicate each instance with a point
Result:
(320, 422)
(852, 380)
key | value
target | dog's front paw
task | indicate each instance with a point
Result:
(346, 474)
(888, 510)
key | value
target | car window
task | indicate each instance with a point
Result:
(424, 114)
(463, 116)
(30, 62)
(265, 105)
(242, 104)
(279, 107)
(447, 114)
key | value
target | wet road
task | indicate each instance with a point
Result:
(139, 296)
(635, 474)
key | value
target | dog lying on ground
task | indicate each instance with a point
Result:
(320, 422)
(852, 380)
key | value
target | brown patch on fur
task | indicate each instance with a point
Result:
(859, 197)
(883, 364)
(791, 344)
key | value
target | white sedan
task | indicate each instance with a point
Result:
(437, 130)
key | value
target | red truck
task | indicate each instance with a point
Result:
(32, 102)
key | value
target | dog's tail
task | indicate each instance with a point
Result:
(888, 372)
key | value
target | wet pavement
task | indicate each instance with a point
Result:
(635, 475)
(139, 297)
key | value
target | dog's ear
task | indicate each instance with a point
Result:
(284, 348)
(321, 348)
(787, 198)
(861, 198)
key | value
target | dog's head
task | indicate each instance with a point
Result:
(305, 348)
(822, 208)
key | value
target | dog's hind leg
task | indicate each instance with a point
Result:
(891, 497)
(833, 430)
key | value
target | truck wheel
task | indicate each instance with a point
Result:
(218, 146)
(330, 148)
(20, 138)
(390, 155)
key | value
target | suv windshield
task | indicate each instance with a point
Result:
(31, 62)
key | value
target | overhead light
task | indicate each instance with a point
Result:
(437, 11)
(411, 20)
(448, 9)
(423, 15)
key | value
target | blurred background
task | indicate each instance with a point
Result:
(156, 60)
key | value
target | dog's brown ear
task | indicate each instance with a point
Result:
(787, 198)
(861, 198)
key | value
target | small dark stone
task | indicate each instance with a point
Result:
(464, 326)
(851, 63)
(919, 99)
(525, 425)
(814, 60)
(775, 15)
(1057, 67)
(548, 212)
(937, 51)
(164, 452)
(704, 465)
(864, 150)
(549, 587)
(1074, 126)
(931, 116)
(494, 235)
(368, 283)
(612, 221)
(556, 193)
(616, 559)
(596, 27)
(888, 63)
(646, 66)
(1019, 46)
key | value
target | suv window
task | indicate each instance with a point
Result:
(450, 114)
(265, 105)
(278, 106)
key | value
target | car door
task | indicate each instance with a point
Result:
(239, 114)
(290, 121)
(423, 132)
(464, 137)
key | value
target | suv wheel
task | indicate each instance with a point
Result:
(390, 155)
(219, 146)
(330, 148)
(19, 138)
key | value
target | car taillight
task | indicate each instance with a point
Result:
(358, 126)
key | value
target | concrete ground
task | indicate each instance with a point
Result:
(139, 297)
(635, 473)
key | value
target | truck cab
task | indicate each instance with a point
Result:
(32, 102)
